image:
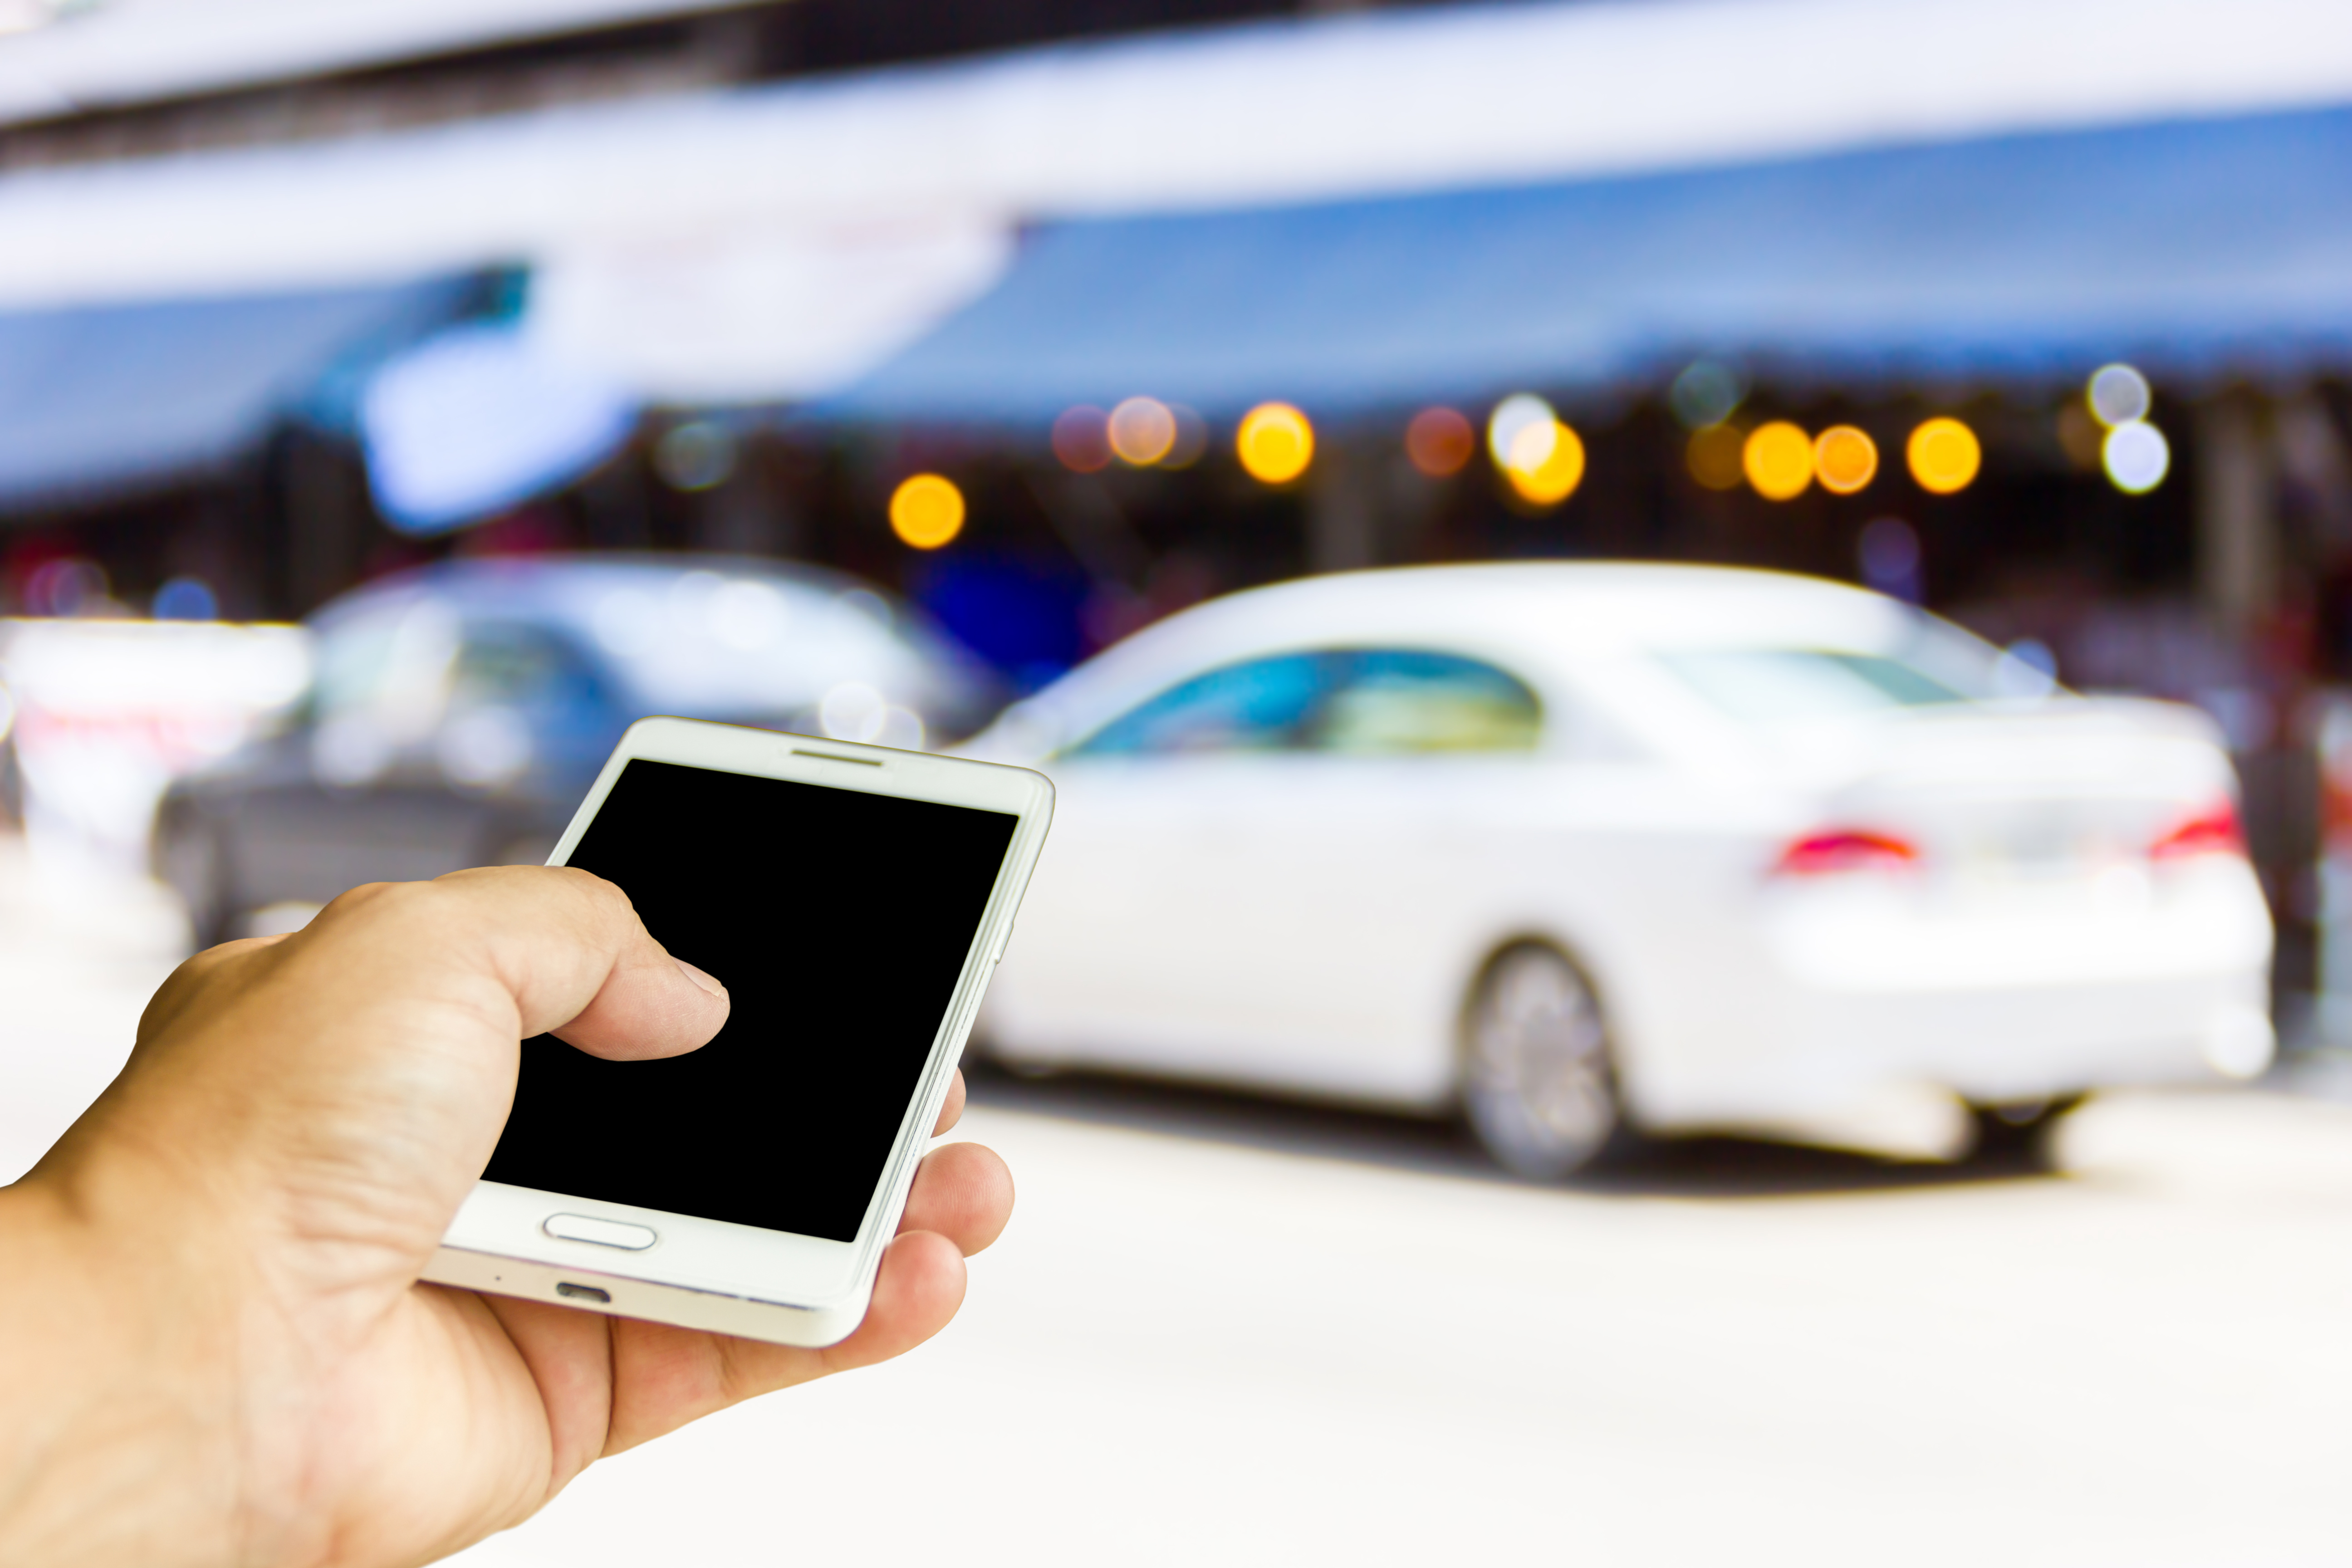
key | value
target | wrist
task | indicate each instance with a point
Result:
(117, 1414)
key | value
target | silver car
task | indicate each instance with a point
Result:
(457, 712)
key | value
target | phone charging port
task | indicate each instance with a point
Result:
(582, 1292)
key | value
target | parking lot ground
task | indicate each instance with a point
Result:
(1225, 1330)
(1195, 1345)
(76, 966)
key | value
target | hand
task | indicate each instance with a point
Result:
(214, 1348)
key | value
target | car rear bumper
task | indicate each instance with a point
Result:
(2042, 1002)
(1989, 1047)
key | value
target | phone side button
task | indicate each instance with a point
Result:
(602, 1232)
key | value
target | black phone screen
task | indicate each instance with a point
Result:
(838, 922)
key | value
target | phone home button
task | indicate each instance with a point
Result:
(602, 1232)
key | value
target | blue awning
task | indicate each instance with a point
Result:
(2193, 248)
(102, 401)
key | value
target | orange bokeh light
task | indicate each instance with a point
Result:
(1275, 443)
(926, 511)
(1779, 461)
(1944, 456)
(1142, 431)
(1715, 457)
(1844, 459)
(1545, 463)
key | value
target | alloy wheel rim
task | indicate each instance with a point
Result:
(1540, 1086)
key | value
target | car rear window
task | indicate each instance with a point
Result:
(1795, 686)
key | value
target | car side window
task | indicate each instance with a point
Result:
(1391, 703)
(1356, 702)
(1263, 705)
(1793, 686)
(519, 667)
(521, 697)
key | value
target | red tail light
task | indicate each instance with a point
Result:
(1845, 849)
(2212, 832)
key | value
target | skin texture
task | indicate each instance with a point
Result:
(214, 1348)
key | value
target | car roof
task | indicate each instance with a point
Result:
(1543, 614)
(1554, 623)
(664, 625)
(1585, 603)
(565, 588)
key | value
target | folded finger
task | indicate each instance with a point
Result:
(918, 1289)
(664, 1377)
(963, 1191)
(952, 1111)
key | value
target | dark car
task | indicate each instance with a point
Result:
(457, 713)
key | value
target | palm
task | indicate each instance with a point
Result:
(498, 1402)
(318, 1108)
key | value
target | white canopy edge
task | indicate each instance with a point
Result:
(1335, 106)
(123, 52)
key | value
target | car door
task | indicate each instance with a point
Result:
(1113, 954)
(1291, 847)
(1380, 851)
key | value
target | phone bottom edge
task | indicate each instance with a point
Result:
(617, 1296)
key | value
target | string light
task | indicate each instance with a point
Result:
(2136, 457)
(1715, 457)
(1275, 443)
(1545, 463)
(2118, 394)
(926, 511)
(1844, 459)
(1944, 456)
(1514, 414)
(1779, 461)
(2134, 453)
(1142, 431)
(1439, 441)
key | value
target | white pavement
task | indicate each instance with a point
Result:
(76, 965)
(1217, 1332)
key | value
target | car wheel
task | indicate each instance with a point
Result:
(2018, 1132)
(1538, 1083)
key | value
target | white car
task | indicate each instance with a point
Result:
(1591, 849)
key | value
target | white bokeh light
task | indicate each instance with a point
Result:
(1512, 418)
(2136, 457)
(2119, 394)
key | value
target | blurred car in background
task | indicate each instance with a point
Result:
(1583, 850)
(457, 713)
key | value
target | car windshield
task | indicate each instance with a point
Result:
(1777, 686)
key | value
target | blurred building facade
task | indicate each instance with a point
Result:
(768, 260)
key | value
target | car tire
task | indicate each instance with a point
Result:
(2018, 1133)
(1539, 1076)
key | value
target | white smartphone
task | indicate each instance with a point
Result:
(854, 900)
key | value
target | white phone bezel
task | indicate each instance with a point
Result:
(713, 1274)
